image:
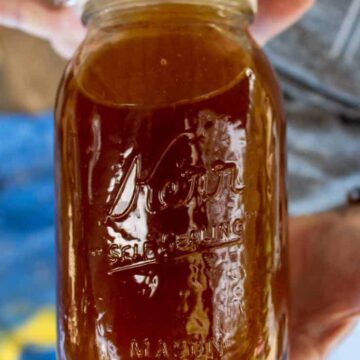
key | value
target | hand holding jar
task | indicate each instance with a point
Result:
(59, 20)
(315, 325)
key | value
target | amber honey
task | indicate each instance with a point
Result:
(171, 199)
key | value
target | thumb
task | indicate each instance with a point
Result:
(274, 16)
(61, 26)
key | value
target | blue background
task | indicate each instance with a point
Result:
(27, 256)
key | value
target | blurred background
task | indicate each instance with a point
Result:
(318, 65)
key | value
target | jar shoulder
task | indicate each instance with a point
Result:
(159, 68)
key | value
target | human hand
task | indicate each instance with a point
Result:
(325, 281)
(324, 249)
(61, 26)
(63, 29)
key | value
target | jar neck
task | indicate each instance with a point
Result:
(130, 11)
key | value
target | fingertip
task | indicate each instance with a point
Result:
(277, 15)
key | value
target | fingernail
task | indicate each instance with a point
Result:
(61, 3)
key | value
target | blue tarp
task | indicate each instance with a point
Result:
(27, 255)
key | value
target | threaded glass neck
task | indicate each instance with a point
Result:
(95, 7)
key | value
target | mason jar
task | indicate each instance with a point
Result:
(171, 187)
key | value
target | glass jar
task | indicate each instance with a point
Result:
(171, 187)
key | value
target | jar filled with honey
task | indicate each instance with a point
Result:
(171, 187)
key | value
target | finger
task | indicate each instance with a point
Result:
(315, 345)
(274, 16)
(62, 27)
(325, 279)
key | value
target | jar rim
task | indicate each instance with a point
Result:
(94, 7)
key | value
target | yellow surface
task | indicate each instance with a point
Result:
(39, 331)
